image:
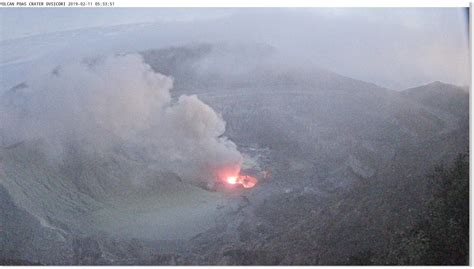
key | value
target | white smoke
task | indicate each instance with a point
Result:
(118, 100)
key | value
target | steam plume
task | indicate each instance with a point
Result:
(118, 100)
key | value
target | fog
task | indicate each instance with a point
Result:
(259, 136)
(394, 48)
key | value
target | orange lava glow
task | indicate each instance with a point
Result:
(246, 181)
(232, 177)
(232, 180)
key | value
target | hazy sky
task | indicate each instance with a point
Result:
(392, 47)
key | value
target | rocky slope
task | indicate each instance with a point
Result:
(345, 159)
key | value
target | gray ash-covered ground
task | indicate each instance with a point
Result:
(342, 168)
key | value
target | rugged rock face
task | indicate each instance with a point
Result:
(349, 162)
(346, 160)
(24, 238)
(441, 96)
